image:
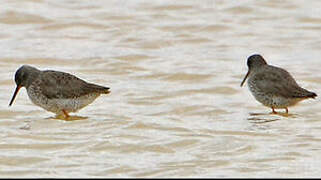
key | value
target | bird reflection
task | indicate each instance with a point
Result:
(267, 117)
(70, 118)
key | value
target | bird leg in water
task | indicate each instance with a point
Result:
(66, 114)
(273, 111)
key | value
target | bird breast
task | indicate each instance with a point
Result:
(56, 105)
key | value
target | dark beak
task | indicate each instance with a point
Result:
(15, 94)
(247, 74)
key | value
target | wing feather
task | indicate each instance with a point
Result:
(55, 84)
(279, 82)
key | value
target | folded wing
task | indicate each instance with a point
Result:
(279, 82)
(55, 84)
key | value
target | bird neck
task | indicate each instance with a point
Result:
(31, 78)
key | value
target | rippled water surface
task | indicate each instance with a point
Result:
(176, 108)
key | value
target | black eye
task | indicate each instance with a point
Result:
(24, 76)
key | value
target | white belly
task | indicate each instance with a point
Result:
(57, 105)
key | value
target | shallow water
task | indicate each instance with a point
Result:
(176, 108)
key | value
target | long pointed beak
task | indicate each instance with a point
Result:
(15, 94)
(247, 74)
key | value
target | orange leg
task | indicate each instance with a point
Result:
(273, 111)
(286, 110)
(66, 114)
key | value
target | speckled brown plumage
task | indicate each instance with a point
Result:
(273, 86)
(56, 91)
(55, 84)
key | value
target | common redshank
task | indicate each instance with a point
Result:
(56, 91)
(272, 86)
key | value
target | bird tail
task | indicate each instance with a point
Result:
(106, 90)
(312, 95)
(304, 94)
(98, 88)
